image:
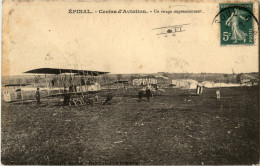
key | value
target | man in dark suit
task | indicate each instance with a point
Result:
(148, 93)
(140, 94)
(38, 96)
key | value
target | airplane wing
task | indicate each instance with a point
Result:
(169, 32)
(74, 93)
(61, 71)
(21, 101)
(8, 85)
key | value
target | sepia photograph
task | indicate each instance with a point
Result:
(149, 82)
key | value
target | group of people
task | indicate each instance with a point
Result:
(148, 94)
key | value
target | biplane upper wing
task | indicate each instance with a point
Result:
(8, 85)
(61, 71)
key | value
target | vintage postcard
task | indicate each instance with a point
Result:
(149, 82)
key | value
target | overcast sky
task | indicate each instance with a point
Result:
(45, 35)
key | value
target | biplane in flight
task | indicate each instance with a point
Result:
(170, 30)
(76, 86)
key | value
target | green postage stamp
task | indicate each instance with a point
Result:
(236, 24)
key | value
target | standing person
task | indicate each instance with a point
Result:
(75, 88)
(71, 88)
(148, 93)
(82, 80)
(66, 99)
(140, 94)
(38, 96)
(52, 82)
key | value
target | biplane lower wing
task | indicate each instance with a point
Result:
(21, 101)
(174, 26)
(74, 93)
(169, 32)
(54, 95)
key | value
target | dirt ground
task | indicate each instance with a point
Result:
(174, 128)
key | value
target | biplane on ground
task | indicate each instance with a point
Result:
(77, 87)
(246, 79)
(150, 81)
(130, 87)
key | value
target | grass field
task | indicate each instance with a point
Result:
(170, 129)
